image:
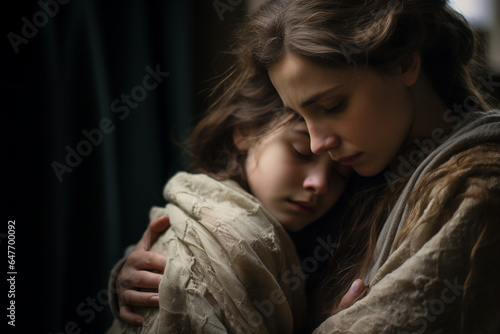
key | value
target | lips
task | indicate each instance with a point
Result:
(302, 206)
(349, 160)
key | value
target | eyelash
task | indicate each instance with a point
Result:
(300, 155)
(338, 108)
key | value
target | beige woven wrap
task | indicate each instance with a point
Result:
(231, 267)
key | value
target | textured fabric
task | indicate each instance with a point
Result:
(443, 276)
(231, 267)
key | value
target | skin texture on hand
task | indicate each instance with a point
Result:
(356, 292)
(142, 270)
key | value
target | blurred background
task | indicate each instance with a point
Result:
(94, 98)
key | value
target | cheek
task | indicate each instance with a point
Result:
(268, 171)
(283, 171)
(380, 120)
(336, 188)
(360, 129)
(254, 175)
(395, 109)
(333, 195)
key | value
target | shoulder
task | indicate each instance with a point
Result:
(467, 186)
(463, 175)
(199, 203)
(478, 166)
(205, 187)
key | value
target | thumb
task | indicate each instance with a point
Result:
(155, 228)
(355, 292)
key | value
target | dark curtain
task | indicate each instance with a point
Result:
(96, 97)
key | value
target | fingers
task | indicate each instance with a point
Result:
(155, 228)
(128, 296)
(356, 291)
(143, 299)
(159, 225)
(145, 260)
(139, 298)
(140, 271)
(130, 317)
(138, 279)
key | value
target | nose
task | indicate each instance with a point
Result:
(317, 177)
(322, 140)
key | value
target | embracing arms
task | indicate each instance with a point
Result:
(136, 272)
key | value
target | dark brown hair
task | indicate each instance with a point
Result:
(255, 109)
(374, 33)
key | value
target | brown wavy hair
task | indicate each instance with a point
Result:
(255, 109)
(374, 34)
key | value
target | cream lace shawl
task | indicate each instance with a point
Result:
(231, 267)
(444, 276)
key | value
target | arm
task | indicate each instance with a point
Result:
(136, 272)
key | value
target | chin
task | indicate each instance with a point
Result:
(367, 171)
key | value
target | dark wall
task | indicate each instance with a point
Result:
(88, 140)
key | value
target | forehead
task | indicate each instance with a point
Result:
(292, 67)
(298, 79)
(292, 128)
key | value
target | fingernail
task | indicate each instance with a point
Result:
(356, 287)
(155, 298)
(138, 321)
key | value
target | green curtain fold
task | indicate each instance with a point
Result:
(89, 121)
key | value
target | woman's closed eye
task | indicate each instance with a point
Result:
(336, 108)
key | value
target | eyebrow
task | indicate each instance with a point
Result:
(314, 98)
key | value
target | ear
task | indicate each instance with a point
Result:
(410, 69)
(240, 138)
